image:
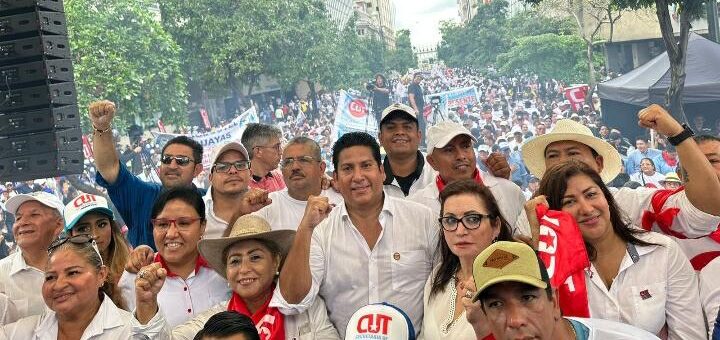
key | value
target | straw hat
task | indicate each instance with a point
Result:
(247, 227)
(533, 150)
(671, 177)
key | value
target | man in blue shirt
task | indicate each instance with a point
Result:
(632, 164)
(181, 161)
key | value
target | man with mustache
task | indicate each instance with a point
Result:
(303, 170)
(181, 161)
(451, 154)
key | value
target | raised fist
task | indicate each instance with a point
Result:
(657, 118)
(316, 210)
(101, 114)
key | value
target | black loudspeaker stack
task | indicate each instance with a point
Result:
(40, 133)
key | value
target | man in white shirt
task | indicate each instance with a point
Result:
(228, 195)
(303, 170)
(38, 221)
(451, 154)
(699, 212)
(373, 248)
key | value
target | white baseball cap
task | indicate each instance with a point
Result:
(397, 107)
(380, 321)
(83, 204)
(442, 133)
(47, 199)
(227, 147)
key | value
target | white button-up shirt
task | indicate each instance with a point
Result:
(656, 287)
(691, 221)
(710, 291)
(349, 275)
(286, 212)
(214, 225)
(509, 197)
(182, 299)
(22, 284)
(110, 323)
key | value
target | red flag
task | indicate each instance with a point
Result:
(206, 120)
(161, 126)
(576, 96)
(87, 149)
(562, 249)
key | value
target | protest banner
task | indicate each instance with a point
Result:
(449, 100)
(352, 115)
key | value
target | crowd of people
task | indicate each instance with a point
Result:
(441, 227)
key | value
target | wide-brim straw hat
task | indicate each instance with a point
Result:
(247, 227)
(533, 150)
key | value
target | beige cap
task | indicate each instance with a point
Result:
(505, 261)
(442, 133)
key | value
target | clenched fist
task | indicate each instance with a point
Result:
(101, 114)
(316, 210)
(498, 165)
(657, 118)
(254, 200)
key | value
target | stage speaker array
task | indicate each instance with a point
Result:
(40, 133)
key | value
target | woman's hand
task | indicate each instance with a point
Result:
(473, 311)
(148, 283)
(530, 207)
(141, 256)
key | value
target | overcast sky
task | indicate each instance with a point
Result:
(422, 18)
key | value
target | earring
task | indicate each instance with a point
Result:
(494, 240)
(277, 273)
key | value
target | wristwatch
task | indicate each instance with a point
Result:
(682, 136)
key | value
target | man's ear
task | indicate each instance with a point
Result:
(431, 161)
(198, 169)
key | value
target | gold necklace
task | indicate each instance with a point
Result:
(569, 323)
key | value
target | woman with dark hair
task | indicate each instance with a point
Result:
(78, 296)
(470, 220)
(636, 277)
(89, 214)
(178, 220)
(648, 175)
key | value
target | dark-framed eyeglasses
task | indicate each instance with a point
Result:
(225, 166)
(302, 160)
(181, 223)
(470, 221)
(82, 239)
(180, 160)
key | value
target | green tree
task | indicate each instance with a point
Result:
(403, 57)
(121, 52)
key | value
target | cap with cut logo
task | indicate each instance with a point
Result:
(47, 199)
(398, 110)
(83, 204)
(508, 262)
(380, 321)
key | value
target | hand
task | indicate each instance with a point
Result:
(254, 200)
(148, 283)
(531, 214)
(473, 311)
(141, 256)
(657, 118)
(327, 182)
(498, 165)
(316, 210)
(101, 114)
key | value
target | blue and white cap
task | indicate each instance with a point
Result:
(380, 321)
(83, 204)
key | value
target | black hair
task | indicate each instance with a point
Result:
(187, 194)
(226, 324)
(197, 149)
(449, 262)
(642, 138)
(706, 138)
(351, 139)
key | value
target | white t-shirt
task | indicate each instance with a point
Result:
(286, 212)
(645, 179)
(710, 291)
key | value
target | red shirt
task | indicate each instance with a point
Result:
(273, 181)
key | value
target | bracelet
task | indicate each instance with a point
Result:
(100, 132)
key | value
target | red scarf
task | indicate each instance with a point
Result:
(671, 161)
(268, 320)
(562, 249)
(441, 183)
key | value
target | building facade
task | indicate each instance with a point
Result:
(376, 18)
(340, 11)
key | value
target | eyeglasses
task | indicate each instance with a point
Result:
(182, 223)
(225, 167)
(79, 240)
(276, 147)
(470, 221)
(180, 160)
(302, 160)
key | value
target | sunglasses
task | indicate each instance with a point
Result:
(82, 240)
(180, 160)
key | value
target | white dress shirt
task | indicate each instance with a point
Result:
(710, 291)
(214, 225)
(286, 212)
(22, 284)
(691, 221)
(600, 329)
(110, 323)
(509, 197)
(655, 285)
(348, 274)
(180, 299)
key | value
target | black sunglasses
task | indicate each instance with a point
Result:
(180, 160)
(77, 239)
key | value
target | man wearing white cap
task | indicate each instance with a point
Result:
(38, 221)
(699, 212)
(451, 154)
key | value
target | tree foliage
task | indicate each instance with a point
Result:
(120, 52)
(402, 57)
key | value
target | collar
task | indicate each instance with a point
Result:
(260, 178)
(441, 182)
(199, 262)
(107, 317)
(18, 264)
(388, 207)
(390, 177)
